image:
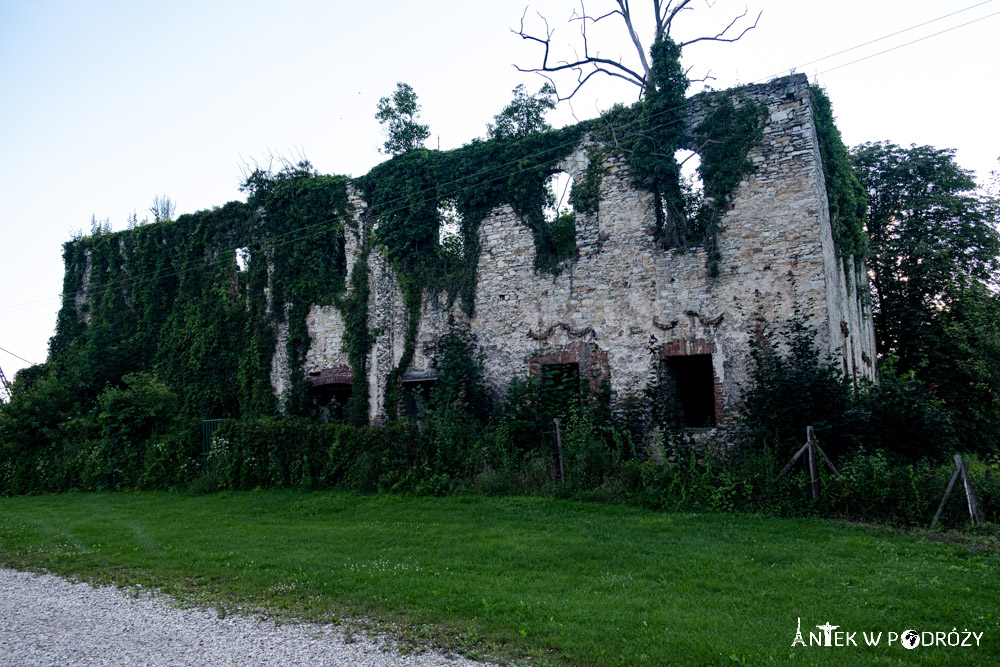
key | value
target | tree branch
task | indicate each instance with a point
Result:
(721, 36)
(587, 65)
(599, 65)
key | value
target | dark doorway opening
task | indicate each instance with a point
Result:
(327, 401)
(695, 382)
(417, 399)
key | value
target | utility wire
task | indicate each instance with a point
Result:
(17, 356)
(879, 39)
(195, 265)
(962, 25)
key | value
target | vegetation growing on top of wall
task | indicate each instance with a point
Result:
(585, 196)
(650, 133)
(846, 196)
(724, 139)
(408, 193)
(303, 216)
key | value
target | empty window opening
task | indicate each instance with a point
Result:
(416, 395)
(560, 185)
(695, 385)
(451, 222)
(559, 389)
(689, 163)
(451, 243)
(242, 258)
(328, 401)
(684, 221)
(560, 219)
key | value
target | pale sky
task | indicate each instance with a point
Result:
(106, 105)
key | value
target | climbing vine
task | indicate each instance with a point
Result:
(208, 328)
(650, 133)
(358, 338)
(846, 196)
(302, 221)
(408, 193)
(725, 138)
(585, 196)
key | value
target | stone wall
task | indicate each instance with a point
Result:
(625, 303)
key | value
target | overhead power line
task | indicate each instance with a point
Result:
(17, 356)
(883, 38)
(962, 25)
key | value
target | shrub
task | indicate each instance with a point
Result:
(131, 418)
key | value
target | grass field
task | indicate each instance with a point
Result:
(528, 578)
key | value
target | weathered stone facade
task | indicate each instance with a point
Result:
(625, 303)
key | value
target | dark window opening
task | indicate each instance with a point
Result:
(695, 385)
(417, 399)
(327, 401)
(559, 389)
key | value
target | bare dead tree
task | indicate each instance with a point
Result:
(593, 63)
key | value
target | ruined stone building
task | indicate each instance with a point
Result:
(625, 303)
(238, 339)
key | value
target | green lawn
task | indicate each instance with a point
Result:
(553, 581)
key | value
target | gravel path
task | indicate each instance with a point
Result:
(45, 620)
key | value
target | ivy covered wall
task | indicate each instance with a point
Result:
(384, 264)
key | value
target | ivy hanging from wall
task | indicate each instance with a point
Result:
(209, 329)
(846, 196)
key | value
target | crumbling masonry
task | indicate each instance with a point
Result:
(626, 303)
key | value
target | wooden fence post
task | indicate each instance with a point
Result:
(562, 473)
(813, 475)
(970, 495)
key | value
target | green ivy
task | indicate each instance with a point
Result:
(302, 221)
(585, 196)
(649, 134)
(358, 338)
(725, 138)
(846, 196)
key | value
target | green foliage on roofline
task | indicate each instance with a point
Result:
(169, 299)
(846, 196)
(650, 133)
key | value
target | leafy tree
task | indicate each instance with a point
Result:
(934, 250)
(399, 114)
(962, 366)
(931, 234)
(524, 115)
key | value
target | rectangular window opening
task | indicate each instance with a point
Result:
(327, 401)
(695, 382)
(242, 259)
(417, 399)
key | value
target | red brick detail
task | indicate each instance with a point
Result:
(686, 346)
(341, 374)
(683, 347)
(592, 361)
